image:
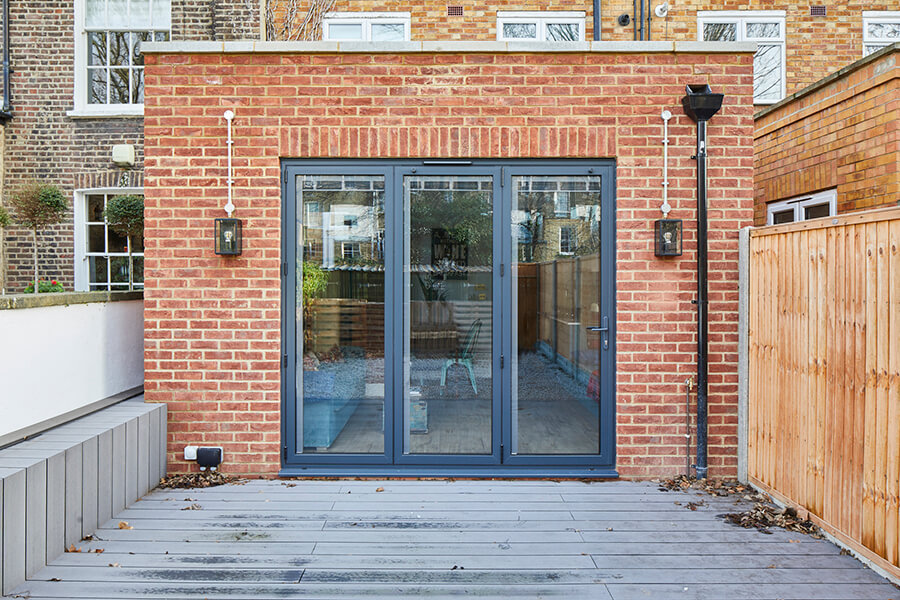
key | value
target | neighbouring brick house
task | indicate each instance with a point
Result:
(832, 147)
(59, 133)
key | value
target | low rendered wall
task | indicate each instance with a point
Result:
(63, 353)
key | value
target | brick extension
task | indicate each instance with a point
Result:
(213, 339)
(842, 133)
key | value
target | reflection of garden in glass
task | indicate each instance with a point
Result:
(556, 288)
(448, 379)
(341, 312)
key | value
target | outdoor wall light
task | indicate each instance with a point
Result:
(668, 237)
(228, 231)
(228, 237)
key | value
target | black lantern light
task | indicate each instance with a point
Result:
(668, 237)
(228, 237)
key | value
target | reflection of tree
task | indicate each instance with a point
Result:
(541, 222)
(466, 216)
(535, 207)
(562, 32)
(720, 32)
(767, 73)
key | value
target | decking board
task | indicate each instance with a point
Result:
(313, 539)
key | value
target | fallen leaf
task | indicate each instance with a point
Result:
(55, 579)
(193, 506)
(114, 564)
(72, 548)
(381, 489)
(98, 551)
(125, 525)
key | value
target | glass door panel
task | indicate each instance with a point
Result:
(556, 335)
(447, 313)
(340, 313)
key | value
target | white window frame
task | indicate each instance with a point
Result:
(573, 239)
(352, 246)
(871, 17)
(740, 18)
(799, 203)
(82, 270)
(541, 19)
(366, 19)
(81, 106)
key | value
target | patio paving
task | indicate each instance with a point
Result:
(442, 539)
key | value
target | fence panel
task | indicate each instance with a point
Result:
(824, 374)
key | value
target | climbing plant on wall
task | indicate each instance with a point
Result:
(296, 19)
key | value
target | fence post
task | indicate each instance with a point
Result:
(743, 351)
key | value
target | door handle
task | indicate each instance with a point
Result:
(604, 330)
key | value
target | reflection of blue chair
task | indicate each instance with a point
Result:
(465, 356)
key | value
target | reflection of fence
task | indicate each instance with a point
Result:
(824, 374)
(343, 322)
(558, 301)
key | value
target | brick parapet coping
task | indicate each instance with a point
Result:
(251, 47)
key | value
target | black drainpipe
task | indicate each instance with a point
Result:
(641, 26)
(5, 111)
(700, 104)
(596, 20)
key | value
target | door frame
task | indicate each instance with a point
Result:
(393, 462)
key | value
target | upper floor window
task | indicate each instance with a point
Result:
(880, 28)
(366, 27)
(540, 26)
(766, 28)
(109, 66)
(802, 208)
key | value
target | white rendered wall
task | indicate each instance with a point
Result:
(56, 359)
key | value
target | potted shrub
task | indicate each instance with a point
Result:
(125, 215)
(36, 206)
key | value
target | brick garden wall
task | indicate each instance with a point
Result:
(213, 324)
(42, 142)
(843, 134)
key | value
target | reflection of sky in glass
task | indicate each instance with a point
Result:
(767, 74)
(763, 30)
(388, 32)
(520, 30)
(345, 31)
(719, 32)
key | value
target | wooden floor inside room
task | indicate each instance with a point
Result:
(445, 539)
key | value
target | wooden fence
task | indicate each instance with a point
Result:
(824, 374)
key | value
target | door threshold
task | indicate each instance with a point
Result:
(431, 471)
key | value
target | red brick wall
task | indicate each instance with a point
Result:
(842, 135)
(213, 338)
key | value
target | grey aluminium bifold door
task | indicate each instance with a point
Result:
(448, 317)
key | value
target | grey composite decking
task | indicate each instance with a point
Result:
(443, 539)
